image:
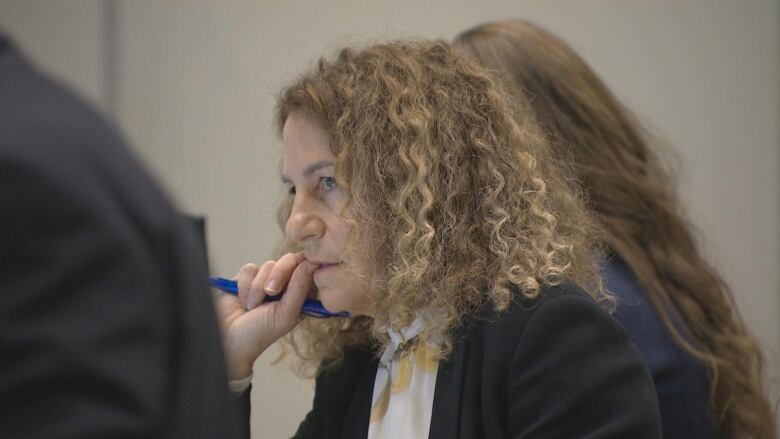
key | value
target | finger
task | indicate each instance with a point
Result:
(226, 305)
(282, 272)
(297, 289)
(256, 293)
(246, 274)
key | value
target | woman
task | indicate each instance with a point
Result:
(420, 204)
(679, 312)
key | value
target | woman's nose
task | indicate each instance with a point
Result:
(304, 223)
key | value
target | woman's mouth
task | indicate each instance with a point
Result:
(324, 266)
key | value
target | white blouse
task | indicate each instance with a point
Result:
(405, 381)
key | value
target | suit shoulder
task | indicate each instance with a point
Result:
(38, 106)
(52, 141)
(508, 325)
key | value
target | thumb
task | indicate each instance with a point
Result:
(297, 290)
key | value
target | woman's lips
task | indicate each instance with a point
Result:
(325, 265)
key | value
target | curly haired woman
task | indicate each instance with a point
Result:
(425, 205)
(705, 364)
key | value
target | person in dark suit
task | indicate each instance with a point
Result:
(675, 306)
(107, 326)
(422, 204)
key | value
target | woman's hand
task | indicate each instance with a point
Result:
(250, 326)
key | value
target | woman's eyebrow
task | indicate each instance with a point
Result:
(311, 169)
(316, 166)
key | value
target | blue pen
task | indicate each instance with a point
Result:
(312, 308)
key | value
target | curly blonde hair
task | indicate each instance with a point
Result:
(454, 201)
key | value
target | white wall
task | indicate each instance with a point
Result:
(196, 84)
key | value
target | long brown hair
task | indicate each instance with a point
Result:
(627, 186)
(454, 199)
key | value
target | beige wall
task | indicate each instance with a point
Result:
(196, 84)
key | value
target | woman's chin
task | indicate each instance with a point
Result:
(331, 301)
(351, 298)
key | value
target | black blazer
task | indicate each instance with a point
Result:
(680, 379)
(107, 328)
(555, 367)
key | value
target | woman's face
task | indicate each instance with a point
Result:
(316, 220)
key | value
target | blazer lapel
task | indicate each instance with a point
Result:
(447, 397)
(356, 422)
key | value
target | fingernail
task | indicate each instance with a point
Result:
(272, 286)
(251, 303)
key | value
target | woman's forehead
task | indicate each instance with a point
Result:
(300, 127)
(306, 145)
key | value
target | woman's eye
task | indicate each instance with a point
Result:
(291, 190)
(329, 183)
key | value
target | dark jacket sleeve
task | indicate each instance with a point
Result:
(341, 393)
(311, 426)
(576, 374)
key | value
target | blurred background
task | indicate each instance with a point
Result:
(192, 85)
